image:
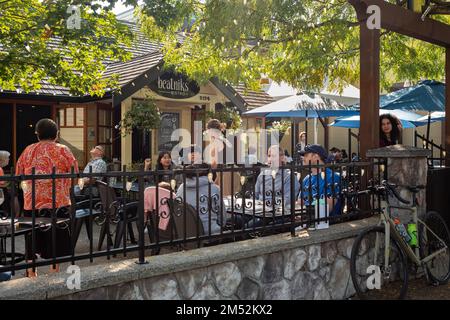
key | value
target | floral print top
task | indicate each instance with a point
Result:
(43, 156)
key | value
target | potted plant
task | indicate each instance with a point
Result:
(143, 116)
(282, 126)
(228, 115)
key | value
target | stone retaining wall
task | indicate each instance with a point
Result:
(311, 265)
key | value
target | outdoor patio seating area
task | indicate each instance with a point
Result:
(134, 130)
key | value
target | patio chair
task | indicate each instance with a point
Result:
(185, 224)
(158, 225)
(115, 211)
(81, 212)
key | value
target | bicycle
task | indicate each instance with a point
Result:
(379, 257)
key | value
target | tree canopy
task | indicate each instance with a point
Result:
(38, 43)
(303, 42)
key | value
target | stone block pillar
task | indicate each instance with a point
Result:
(406, 166)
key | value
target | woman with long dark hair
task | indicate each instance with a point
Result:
(390, 130)
(164, 162)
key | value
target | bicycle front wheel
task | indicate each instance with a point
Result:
(434, 236)
(371, 277)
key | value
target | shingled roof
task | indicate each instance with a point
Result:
(130, 70)
(253, 99)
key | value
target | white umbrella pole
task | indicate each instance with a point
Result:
(315, 130)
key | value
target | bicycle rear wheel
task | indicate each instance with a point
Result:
(438, 269)
(368, 254)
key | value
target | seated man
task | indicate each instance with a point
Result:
(315, 154)
(98, 166)
(282, 178)
(206, 194)
(274, 184)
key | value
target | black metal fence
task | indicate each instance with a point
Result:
(193, 207)
(433, 161)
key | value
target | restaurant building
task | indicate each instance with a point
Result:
(86, 121)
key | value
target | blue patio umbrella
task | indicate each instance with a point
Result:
(408, 119)
(427, 95)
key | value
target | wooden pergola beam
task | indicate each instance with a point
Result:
(369, 88)
(398, 19)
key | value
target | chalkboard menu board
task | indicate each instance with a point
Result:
(170, 121)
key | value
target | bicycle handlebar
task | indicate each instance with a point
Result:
(392, 189)
(382, 189)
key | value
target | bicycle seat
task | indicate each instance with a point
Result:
(415, 189)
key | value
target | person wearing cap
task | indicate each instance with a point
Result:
(194, 157)
(266, 188)
(98, 165)
(320, 182)
(190, 155)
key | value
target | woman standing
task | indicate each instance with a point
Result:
(300, 147)
(215, 130)
(43, 157)
(390, 130)
(216, 156)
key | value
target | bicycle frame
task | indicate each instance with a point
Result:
(388, 222)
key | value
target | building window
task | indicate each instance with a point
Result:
(104, 129)
(70, 117)
(71, 130)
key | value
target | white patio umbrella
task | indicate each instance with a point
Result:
(303, 105)
(435, 116)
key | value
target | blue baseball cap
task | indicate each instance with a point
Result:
(317, 149)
